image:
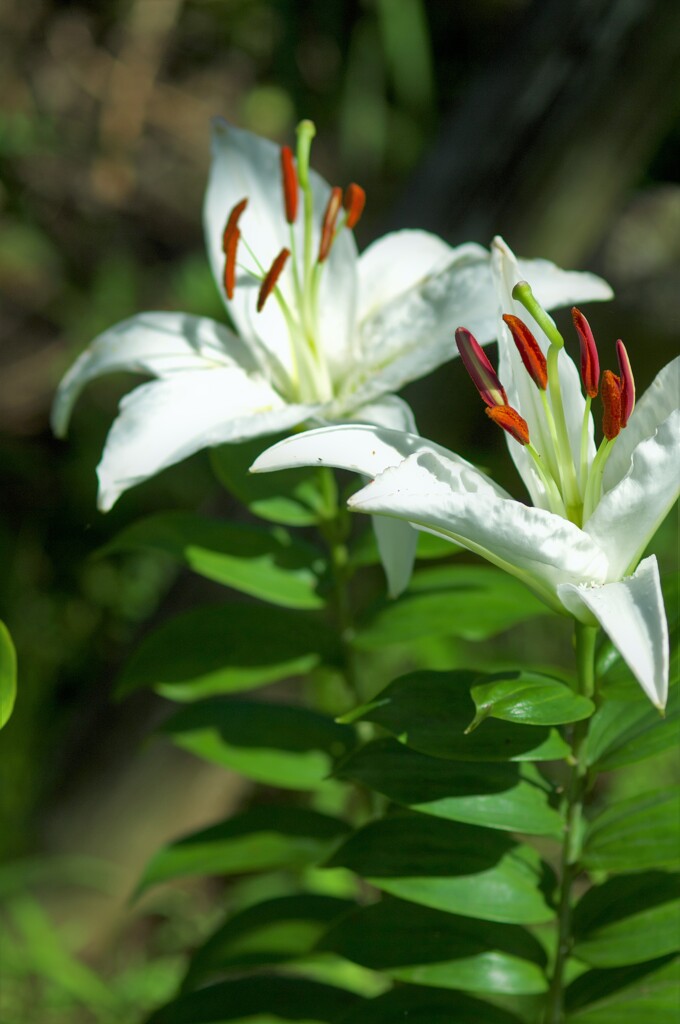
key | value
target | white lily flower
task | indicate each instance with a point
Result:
(579, 546)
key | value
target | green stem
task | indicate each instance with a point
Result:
(577, 786)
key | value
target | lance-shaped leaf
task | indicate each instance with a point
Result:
(528, 697)
(448, 866)
(260, 839)
(418, 1005)
(628, 920)
(271, 932)
(624, 731)
(276, 744)
(493, 795)
(430, 712)
(211, 650)
(265, 563)
(634, 834)
(626, 995)
(429, 947)
(269, 999)
(8, 674)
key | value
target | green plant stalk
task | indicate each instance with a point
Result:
(585, 638)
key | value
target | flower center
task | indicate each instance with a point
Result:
(572, 482)
(309, 378)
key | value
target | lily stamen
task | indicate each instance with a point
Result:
(590, 362)
(511, 422)
(231, 241)
(627, 383)
(271, 277)
(353, 201)
(481, 371)
(329, 219)
(290, 184)
(529, 350)
(612, 413)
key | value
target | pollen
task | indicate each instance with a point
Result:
(612, 393)
(627, 383)
(230, 243)
(329, 219)
(354, 201)
(481, 371)
(511, 422)
(232, 223)
(271, 277)
(590, 363)
(290, 184)
(529, 350)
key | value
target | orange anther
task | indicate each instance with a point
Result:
(354, 202)
(231, 243)
(232, 223)
(510, 420)
(290, 183)
(612, 389)
(329, 219)
(272, 276)
(627, 383)
(529, 350)
(590, 363)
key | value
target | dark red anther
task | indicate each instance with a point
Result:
(232, 223)
(354, 202)
(511, 421)
(329, 219)
(272, 276)
(627, 383)
(590, 363)
(230, 246)
(612, 391)
(483, 375)
(290, 184)
(530, 351)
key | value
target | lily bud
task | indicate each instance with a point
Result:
(530, 351)
(590, 363)
(627, 383)
(481, 371)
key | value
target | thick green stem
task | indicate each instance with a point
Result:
(571, 846)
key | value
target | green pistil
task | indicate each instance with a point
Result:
(551, 488)
(523, 294)
(550, 423)
(594, 483)
(305, 133)
(583, 475)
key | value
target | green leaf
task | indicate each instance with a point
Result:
(469, 601)
(635, 834)
(265, 999)
(626, 995)
(528, 697)
(461, 869)
(417, 1005)
(430, 711)
(364, 550)
(628, 919)
(272, 932)
(428, 947)
(8, 675)
(493, 795)
(263, 563)
(625, 731)
(260, 839)
(275, 744)
(291, 497)
(227, 648)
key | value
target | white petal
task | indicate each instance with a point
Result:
(660, 399)
(394, 263)
(164, 421)
(630, 513)
(365, 449)
(552, 287)
(632, 613)
(160, 344)
(459, 502)
(390, 412)
(247, 166)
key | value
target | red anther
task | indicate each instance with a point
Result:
(231, 243)
(530, 351)
(290, 184)
(329, 219)
(612, 391)
(272, 276)
(480, 369)
(354, 202)
(590, 363)
(511, 421)
(627, 383)
(232, 223)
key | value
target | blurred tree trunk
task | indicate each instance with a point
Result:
(556, 129)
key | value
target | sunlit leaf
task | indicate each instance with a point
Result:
(227, 648)
(469, 601)
(635, 834)
(629, 919)
(462, 869)
(8, 674)
(493, 795)
(530, 698)
(277, 744)
(260, 839)
(265, 563)
(430, 711)
(625, 731)
(429, 947)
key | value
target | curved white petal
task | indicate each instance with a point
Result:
(390, 412)
(459, 502)
(247, 166)
(630, 513)
(164, 421)
(160, 344)
(660, 399)
(394, 263)
(631, 611)
(552, 287)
